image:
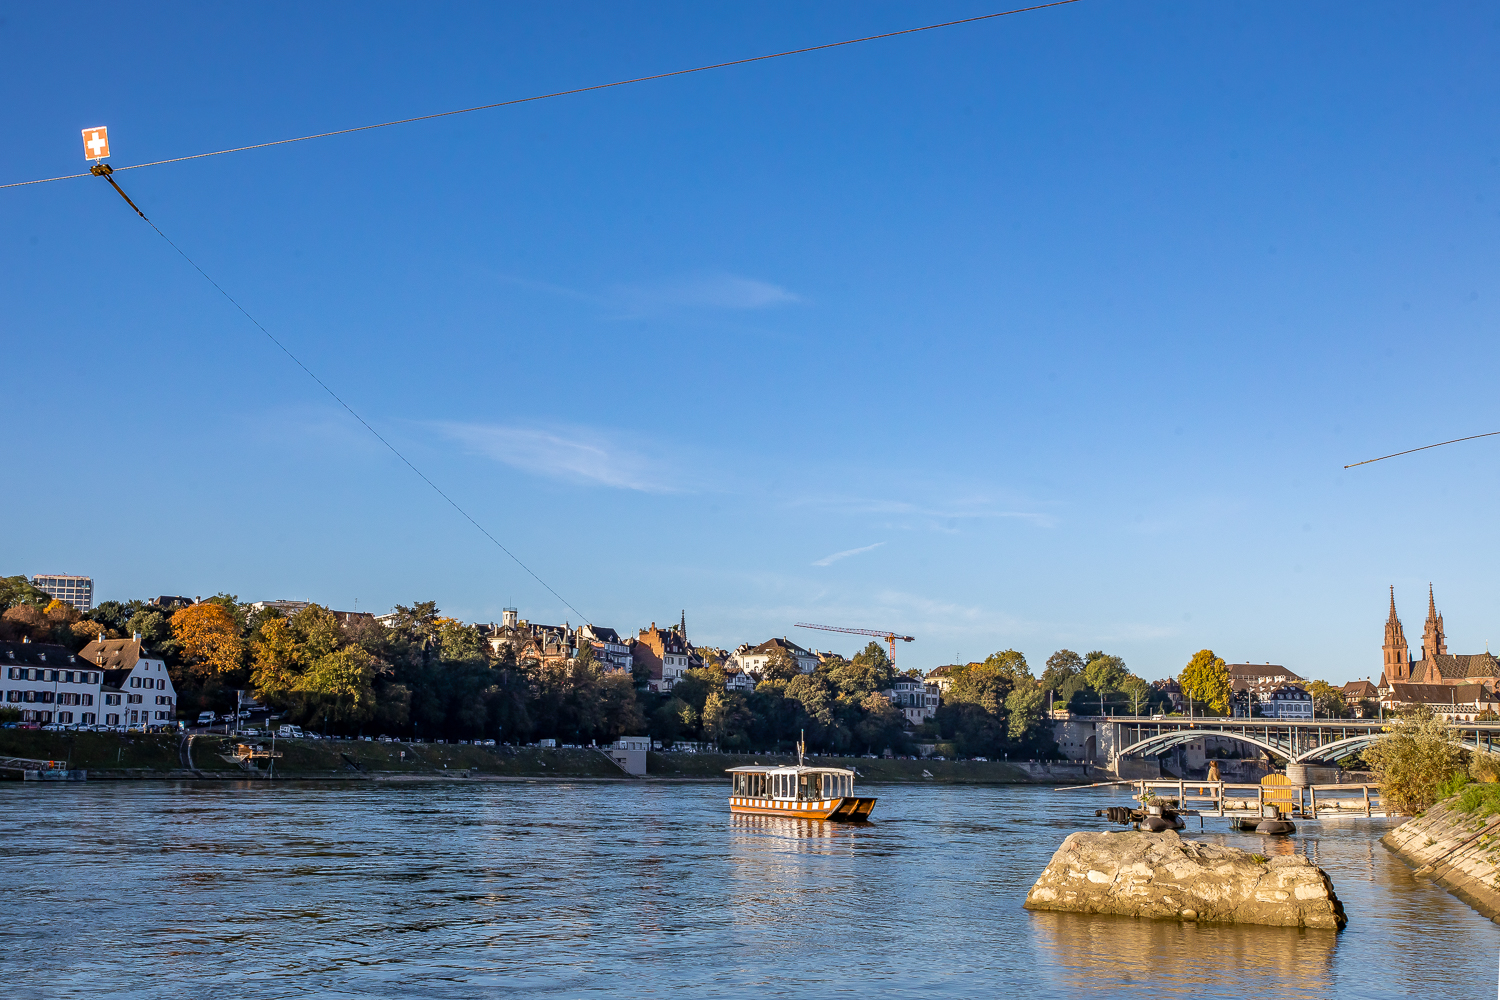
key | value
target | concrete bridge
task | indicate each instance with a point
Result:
(1104, 740)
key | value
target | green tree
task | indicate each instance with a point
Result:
(340, 685)
(1206, 680)
(780, 666)
(16, 590)
(1414, 760)
(1328, 700)
(671, 719)
(1138, 691)
(726, 719)
(1024, 707)
(1061, 665)
(154, 627)
(870, 672)
(882, 727)
(1105, 674)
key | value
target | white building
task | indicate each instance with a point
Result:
(752, 660)
(609, 649)
(630, 753)
(290, 608)
(738, 680)
(1287, 702)
(49, 683)
(75, 590)
(916, 698)
(136, 688)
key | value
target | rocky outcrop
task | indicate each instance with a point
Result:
(1162, 876)
(1459, 851)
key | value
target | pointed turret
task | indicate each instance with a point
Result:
(1434, 644)
(1397, 656)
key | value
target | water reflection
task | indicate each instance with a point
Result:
(652, 889)
(1087, 951)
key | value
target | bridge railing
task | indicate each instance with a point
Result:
(1218, 798)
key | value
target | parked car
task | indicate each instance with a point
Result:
(205, 718)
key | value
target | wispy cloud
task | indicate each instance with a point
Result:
(964, 510)
(712, 291)
(829, 560)
(574, 454)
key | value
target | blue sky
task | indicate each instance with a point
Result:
(1053, 330)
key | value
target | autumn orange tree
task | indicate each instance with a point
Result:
(209, 638)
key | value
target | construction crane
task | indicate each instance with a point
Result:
(889, 636)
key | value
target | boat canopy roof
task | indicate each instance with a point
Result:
(789, 769)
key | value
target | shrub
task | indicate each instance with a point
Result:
(1484, 767)
(1413, 762)
(1483, 799)
(1451, 787)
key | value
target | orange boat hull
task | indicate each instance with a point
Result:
(850, 808)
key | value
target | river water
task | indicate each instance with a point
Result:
(645, 889)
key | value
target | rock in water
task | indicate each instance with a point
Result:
(1162, 876)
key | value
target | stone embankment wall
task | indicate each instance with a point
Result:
(1457, 848)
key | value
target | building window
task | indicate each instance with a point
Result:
(64, 716)
(88, 699)
(111, 720)
(89, 718)
(135, 682)
(111, 699)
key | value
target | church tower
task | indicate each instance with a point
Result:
(1433, 643)
(1397, 657)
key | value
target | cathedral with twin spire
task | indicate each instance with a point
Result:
(1436, 665)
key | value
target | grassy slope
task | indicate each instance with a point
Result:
(115, 752)
(104, 752)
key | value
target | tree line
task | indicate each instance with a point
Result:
(430, 676)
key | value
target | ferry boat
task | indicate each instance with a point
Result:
(797, 791)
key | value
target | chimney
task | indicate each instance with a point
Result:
(136, 636)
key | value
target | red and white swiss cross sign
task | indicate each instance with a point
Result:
(96, 143)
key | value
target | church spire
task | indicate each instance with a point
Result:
(1397, 656)
(1434, 643)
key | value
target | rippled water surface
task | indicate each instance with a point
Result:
(647, 889)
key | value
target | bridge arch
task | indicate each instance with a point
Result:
(1163, 742)
(1355, 744)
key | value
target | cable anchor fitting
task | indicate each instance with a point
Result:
(104, 170)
